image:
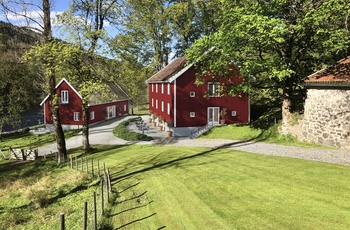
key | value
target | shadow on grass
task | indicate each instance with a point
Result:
(131, 209)
(138, 220)
(155, 165)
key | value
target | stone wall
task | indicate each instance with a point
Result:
(327, 117)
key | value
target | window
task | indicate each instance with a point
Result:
(213, 89)
(152, 102)
(192, 114)
(92, 115)
(156, 104)
(156, 88)
(162, 106)
(152, 87)
(124, 107)
(64, 97)
(76, 116)
(168, 88)
(192, 94)
(233, 113)
(162, 88)
(169, 108)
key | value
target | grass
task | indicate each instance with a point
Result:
(181, 188)
(200, 188)
(34, 194)
(31, 141)
(246, 132)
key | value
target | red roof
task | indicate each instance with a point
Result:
(339, 72)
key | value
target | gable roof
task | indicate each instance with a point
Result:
(170, 72)
(337, 74)
(97, 98)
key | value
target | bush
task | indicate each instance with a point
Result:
(122, 132)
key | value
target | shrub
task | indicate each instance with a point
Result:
(122, 132)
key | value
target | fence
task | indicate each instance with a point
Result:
(94, 211)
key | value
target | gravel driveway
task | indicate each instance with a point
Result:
(102, 134)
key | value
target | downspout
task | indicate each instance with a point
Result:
(175, 103)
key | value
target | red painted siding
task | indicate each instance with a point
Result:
(66, 110)
(75, 105)
(162, 96)
(185, 104)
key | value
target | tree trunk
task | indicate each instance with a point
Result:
(59, 134)
(86, 143)
(286, 109)
(51, 80)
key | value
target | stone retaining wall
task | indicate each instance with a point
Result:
(327, 117)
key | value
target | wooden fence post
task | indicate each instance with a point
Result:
(102, 199)
(85, 215)
(109, 181)
(92, 167)
(98, 168)
(87, 165)
(62, 222)
(95, 212)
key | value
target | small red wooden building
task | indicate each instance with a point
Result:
(174, 96)
(100, 109)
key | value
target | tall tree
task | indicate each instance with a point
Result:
(278, 42)
(85, 21)
(22, 8)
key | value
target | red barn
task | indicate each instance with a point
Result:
(100, 109)
(174, 96)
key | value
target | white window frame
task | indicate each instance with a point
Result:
(168, 108)
(156, 88)
(162, 88)
(76, 116)
(192, 114)
(192, 94)
(162, 106)
(168, 88)
(92, 115)
(64, 97)
(156, 104)
(213, 89)
(152, 102)
(124, 108)
(233, 113)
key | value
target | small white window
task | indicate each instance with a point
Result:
(192, 114)
(152, 102)
(192, 94)
(213, 89)
(233, 113)
(152, 87)
(162, 88)
(156, 88)
(92, 115)
(124, 107)
(168, 88)
(76, 116)
(162, 106)
(169, 108)
(156, 104)
(64, 97)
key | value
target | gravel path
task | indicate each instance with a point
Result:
(337, 156)
(102, 134)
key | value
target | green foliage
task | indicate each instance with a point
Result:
(275, 44)
(122, 132)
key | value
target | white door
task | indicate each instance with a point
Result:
(213, 115)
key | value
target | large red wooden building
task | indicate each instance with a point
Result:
(100, 108)
(174, 96)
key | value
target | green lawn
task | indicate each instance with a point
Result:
(200, 188)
